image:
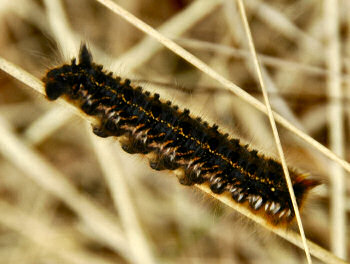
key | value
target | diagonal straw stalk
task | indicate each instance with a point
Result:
(216, 76)
(274, 129)
(292, 237)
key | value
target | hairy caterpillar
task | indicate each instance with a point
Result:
(175, 140)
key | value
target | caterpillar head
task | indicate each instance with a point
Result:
(61, 80)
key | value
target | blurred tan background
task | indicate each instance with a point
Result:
(66, 197)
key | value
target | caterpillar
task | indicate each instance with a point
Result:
(174, 140)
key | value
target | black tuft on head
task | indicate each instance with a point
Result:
(85, 56)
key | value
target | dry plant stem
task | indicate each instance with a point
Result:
(228, 84)
(31, 81)
(112, 170)
(265, 59)
(60, 27)
(347, 65)
(132, 59)
(21, 75)
(278, 103)
(30, 11)
(274, 129)
(45, 236)
(282, 24)
(314, 119)
(46, 176)
(175, 26)
(290, 236)
(98, 219)
(100, 222)
(336, 130)
(35, 207)
(46, 124)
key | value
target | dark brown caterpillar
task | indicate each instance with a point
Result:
(178, 141)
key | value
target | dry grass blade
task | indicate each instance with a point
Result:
(292, 237)
(131, 59)
(336, 126)
(274, 129)
(49, 178)
(175, 26)
(112, 168)
(66, 201)
(264, 59)
(45, 236)
(43, 127)
(63, 191)
(103, 224)
(60, 27)
(282, 24)
(227, 84)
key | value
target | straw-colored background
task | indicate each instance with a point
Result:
(66, 197)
